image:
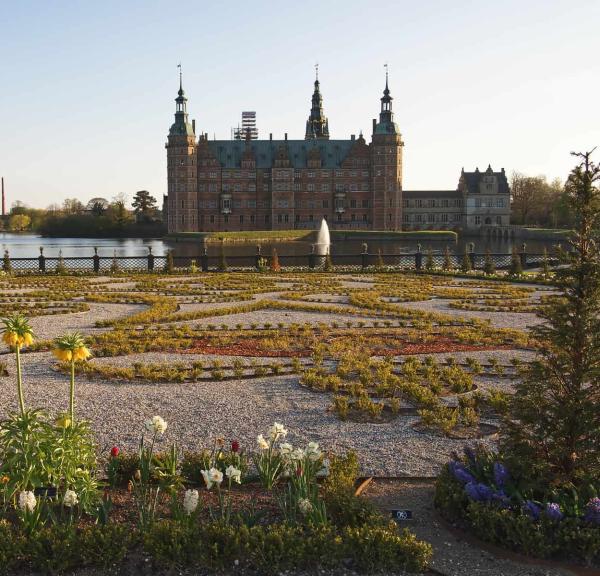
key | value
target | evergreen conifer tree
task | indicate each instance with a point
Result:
(6, 263)
(466, 264)
(429, 260)
(169, 264)
(222, 260)
(447, 260)
(488, 264)
(545, 264)
(275, 266)
(516, 266)
(552, 433)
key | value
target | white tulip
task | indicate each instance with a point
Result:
(190, 501)
(70, 499)
(234, 474)
(27, 501)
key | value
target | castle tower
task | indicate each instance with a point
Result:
(181, 169)
(317, 125)
(386, 164)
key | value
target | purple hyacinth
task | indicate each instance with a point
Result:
(460, 472)
(479, 492)
(470, 454)
(532, 510)
(553, 512)
(501, 475)
(592, 511)
(501, 499)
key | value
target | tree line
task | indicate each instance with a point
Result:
(98, 217)
(537, 202)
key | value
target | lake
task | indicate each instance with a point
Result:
(28, 246)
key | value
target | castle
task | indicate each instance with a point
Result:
(250, 184)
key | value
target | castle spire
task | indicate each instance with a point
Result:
(317, 125)
(182, 125)
(386, 116)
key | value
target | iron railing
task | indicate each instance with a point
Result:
(364, 260)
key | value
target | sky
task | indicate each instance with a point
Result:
(88, 88)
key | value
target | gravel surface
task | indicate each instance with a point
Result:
(452, 554)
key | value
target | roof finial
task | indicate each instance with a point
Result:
(180, 77)
(386, 75)
(317, 71)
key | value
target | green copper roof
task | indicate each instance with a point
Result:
(229, 152)
(181, 129)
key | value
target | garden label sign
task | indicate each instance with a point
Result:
(402, 515)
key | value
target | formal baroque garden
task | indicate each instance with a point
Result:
(224, 421)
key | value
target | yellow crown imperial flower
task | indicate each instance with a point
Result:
(81, 353)
(63, 355)
(63, 422)
(17, 331)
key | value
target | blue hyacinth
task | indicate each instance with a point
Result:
(553, 512)
(460, 472)
(532, 510)
(479, 492)
(501, 475)
(592, 511)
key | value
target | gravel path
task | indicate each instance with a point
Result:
(452, 555)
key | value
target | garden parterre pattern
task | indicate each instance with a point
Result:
(137, 322)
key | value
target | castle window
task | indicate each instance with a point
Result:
(406, 217)
(353, 217)
(325, 203)
(353, 187)
(251, 203)
(365, 173)
(324, 174)
(389, 217)
(310, 217)
(365, 186)
(499, 220)
(419, 203)
(226, 218)
(445, 203)
(431, 218)
(212, 174)
(365, 203)
(444, 217)
(265, 187)
(252, 218)
(339, 217)
(297, 173)
(241, 218)
(477, 219)
(279, 218)
(311, 174)
(500, 202)
(212, 219)
(339, 173)
(478, 202)
(324, 187)
(285, 218)
(354, 173)
(297, 217)
(297, 186)
(266, 218)
(310, 187)
(364, 217)
(182, 204)
(353, 203)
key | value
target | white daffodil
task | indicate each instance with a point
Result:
(277, 431)
(285, 449)
(27, 501)
(234, 474)
(297, 454)
(212, 476)
(156, 424)
(313, 452)
(262, 443)
(190, 501)
(70, 499)
(305, 506)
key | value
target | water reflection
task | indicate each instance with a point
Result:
(27, 246)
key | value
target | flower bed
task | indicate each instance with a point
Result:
(478, 494)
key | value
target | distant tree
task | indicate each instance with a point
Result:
(169, 263)
(6, 263)
(97, 206)
(19, 222)
(144, 205)
(117, 213)
(73, 206)
(535, 201)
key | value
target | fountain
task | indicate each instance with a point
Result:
(321, 246)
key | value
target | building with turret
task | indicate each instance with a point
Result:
(252, 184)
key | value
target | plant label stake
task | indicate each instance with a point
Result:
(400, 515)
